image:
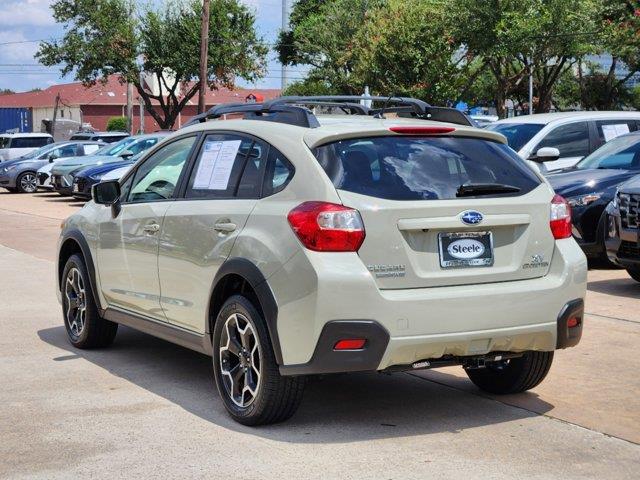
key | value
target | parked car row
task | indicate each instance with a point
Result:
(72, 168)
(54, 166)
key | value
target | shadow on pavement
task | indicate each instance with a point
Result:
(619, 287)
(335, 409)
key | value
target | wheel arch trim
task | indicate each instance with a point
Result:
(254, 277)
(76, 236)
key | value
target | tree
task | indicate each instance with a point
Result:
(322, 34)
(516, 37)
(6, 91)
(619, 36)
(405, 48)
(107, 39)
(117, 124)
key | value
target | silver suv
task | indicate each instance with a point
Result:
(288, 244)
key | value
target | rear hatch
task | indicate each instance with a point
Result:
(442, 211)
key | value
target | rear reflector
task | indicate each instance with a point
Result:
(350, 344)
(560, 219)
(424, 130)
(327, 227)
(573, 322)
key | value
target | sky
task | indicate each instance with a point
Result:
(23, 21)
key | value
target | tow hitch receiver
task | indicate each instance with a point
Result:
(476, 361)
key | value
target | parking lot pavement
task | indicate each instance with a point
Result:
(147, 408)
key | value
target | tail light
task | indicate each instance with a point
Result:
(327, 227)
(560, 221)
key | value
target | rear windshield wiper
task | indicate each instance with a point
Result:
(471, 189)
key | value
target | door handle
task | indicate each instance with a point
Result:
(225, 226)
(151, 228)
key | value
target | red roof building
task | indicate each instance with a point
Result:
(95, 105)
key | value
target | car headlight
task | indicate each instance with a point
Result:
(584, 200)
(96, 177)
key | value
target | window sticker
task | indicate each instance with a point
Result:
(612, 131)
(216, 163)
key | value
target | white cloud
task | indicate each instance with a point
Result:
(36, 13)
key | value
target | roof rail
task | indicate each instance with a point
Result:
(292, 110)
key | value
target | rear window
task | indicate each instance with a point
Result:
(422, 168)
(518, 134)
(30, 142)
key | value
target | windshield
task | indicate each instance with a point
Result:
(620, 153)
(518, 134)
(425, 168)
(115, 148)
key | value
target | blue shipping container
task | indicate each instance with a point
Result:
(15, 120)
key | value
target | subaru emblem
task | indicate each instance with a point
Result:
(471, 217)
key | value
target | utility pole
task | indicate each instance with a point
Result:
(204, 55)
(141, 115)
(55, 116)
(130, 87)
(285, 27)
(530, 88)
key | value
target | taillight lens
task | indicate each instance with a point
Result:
(327, 227)
(560, 221)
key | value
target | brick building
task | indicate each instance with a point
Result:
(95, 105)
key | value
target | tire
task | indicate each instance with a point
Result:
(94, 331)
(512, 376)
(27, 182)
(274, 398)
(634, 273)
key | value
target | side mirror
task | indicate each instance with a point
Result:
(52, 156)
(106, 193)
(546, 154)
(126, 154)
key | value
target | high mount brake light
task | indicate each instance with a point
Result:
(421, 130)
(327, 227)
(560, 219)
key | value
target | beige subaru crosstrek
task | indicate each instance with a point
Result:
(287, 244)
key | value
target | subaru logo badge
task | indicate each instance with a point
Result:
(471, 217)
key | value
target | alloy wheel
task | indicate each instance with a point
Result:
(28, 183)
(240, 360)
(75, 294)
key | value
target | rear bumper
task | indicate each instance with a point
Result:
(423, 323)
(459, 346)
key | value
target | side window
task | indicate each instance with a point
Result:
(125, 188)
(228, 166)
(157, 178)
(89, 149)
(30, 142)
(572, 140)
(66, 151)
(610, 129)
(278, 173)
(142, 145)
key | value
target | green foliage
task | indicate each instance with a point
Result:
(514, 37)
(117, 124)
(103, 39)
(6, 91)
(310, 87)
(405, 49)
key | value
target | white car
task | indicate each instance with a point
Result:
(560, 140)
(14, 145)
(44, 176)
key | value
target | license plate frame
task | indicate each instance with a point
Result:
(448, 261)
